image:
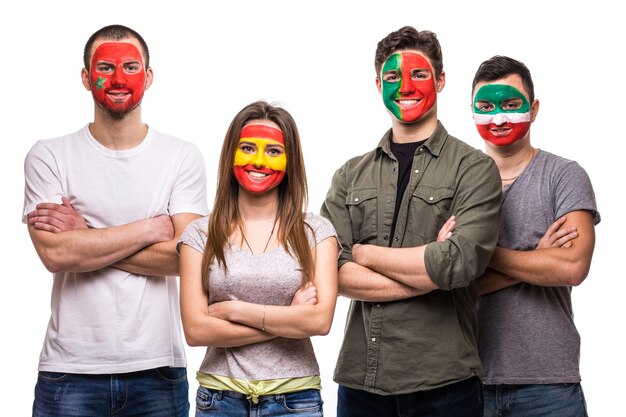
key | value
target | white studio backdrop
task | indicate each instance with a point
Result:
(317, 59)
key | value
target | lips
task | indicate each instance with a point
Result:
(407, 102)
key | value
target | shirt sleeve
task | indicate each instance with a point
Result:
(458, 260)
(574, 191)
(42, 181)
(335, 209)
(189, 193)
(194, 235)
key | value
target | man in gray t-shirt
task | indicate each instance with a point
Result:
(528, 342)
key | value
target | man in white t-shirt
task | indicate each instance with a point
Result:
(104, 207)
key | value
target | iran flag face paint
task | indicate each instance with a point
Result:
(408, 86)
(501, 113)
(118, 78)
(260, 160)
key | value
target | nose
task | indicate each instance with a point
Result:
(119, 79)
(259, 158)
(499, 119)
(406, 87)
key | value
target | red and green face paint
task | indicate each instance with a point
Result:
(118, 78)
(501, 113)
(260, 160)
(408, 86)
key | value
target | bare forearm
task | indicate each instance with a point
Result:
(405, 265)
(492, 281)
(210, 331)
(360, 283)
(159, 259)
(91, 249)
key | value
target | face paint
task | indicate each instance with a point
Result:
(501, 114)
(408, 86)
(118, 78)
(260, 160)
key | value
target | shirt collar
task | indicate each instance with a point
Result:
(434, 143)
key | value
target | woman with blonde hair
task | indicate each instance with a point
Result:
(259, 275)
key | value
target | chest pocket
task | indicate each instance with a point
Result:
(362, 205)
(429, 209)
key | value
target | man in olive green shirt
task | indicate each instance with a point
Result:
(418, 219)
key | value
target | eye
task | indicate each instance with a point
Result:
(391, 77)
(512, 104)
(132, 67)
(420, 74)
(274, 150)
(106, 68)
(484, 106)
(247, 148)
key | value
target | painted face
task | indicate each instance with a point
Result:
(118, 78)
(260, 160)
(501, 114)
(408, 86)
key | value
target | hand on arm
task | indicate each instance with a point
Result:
(562, 257)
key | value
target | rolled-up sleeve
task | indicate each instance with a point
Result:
(334, 208)
(463, 257)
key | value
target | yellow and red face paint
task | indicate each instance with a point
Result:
(117, 75)
(408, 86)
(260, 161)
(501, 114)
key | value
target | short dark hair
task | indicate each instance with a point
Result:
(115, 33)
(408, 37)
(498, 67)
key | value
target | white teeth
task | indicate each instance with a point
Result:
(257, 174)
(407, 101)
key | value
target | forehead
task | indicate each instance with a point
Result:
(128, 41)
(412, 57)
(513, 80)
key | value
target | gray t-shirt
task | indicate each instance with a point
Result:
(270, 278)
(526, 332)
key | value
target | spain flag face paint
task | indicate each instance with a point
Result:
(260, 160)
(118, 78)
(501, 113)
(408, 86)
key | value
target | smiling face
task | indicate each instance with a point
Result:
(408, 85)
(502, 112)
(117, 77)
(260, 161)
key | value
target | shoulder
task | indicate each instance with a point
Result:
(321, 227)
(52, 146)
(174, 143)
(195, 234)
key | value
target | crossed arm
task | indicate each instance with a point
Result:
(562, 257)
(237, 323)
(64, 242)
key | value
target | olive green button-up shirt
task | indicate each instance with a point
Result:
(428, 341)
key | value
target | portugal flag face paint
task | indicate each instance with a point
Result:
(501, 113)
(260, 160)
(118, 78)
(408, 86)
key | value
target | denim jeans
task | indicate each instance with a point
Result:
(213, 403)
(160, 392)
(541, 400)
(461, 399)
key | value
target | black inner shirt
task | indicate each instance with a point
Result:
(404, 153)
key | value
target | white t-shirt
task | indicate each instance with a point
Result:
(109, 320)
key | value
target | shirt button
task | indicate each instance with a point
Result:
(386, 237)
(373, 339)
(431, 198)
(421, 149)
(378, 305)
(396, 238)
(388, 201)
(356, 199)
(417, 171)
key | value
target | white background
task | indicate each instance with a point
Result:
(317, 58)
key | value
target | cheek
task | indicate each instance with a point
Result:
(241, 158)
(278, 163)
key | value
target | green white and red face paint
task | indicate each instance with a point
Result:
(497, 120)
(118, 77)
(408, 86)
(260, 161)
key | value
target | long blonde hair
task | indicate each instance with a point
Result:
(292, 193)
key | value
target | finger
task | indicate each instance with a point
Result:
(567, 238)
(66, 203)
(45, 226)
(48, 206)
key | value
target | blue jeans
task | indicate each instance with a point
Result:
(160, 392)
(545, 400)
(213, 403)
(461, 399)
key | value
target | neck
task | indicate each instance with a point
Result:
(513, 159)
(118, 134)
(416, 131)
(257, 207)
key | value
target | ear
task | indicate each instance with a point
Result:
(440, 82)
(379, 85)
(534, 109)
(149, 77)
(84, 75)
